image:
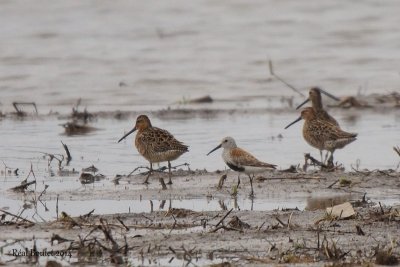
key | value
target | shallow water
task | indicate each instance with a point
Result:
(25, 141)
(143, 55)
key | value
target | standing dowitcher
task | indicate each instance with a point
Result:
(316, 100)
(155, 144)
(240, 160)
(323, 134)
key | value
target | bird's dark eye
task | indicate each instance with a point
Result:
(226, 141)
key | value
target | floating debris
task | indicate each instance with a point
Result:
(200, 100)
(351, 102)
(235, 222)
(85, 116)
(179, 213)
(386, 258)
(75, 128)
(88, 178)
(21, 113)
(90, 169)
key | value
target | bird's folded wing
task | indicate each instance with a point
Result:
(241, 157)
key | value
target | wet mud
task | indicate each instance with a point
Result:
(158, 228)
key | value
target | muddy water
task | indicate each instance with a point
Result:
(143, 55)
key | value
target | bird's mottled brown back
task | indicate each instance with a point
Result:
(158, 145)
(323, 134)
(323, 115)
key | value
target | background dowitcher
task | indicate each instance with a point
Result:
(316, 101)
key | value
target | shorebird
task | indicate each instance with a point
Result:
(316, 100)
(240, 160)
(323, 134)
(155, 144)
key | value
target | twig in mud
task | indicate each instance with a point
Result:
(222, 205)
(23, 187)
(332, 184)
(225, 228)
(17, 216)
(223, 218)
(163, 185)
(137, 168)
(221, 181)
(57, 206)
(123, 224)
(279, 220)
(65, 218)
(382, 211)
(173, 226)
(271, 71)
(45, 187)
(397, 150)
(54, 156)
(162, 204)
(69, 158)
(107, 233)
(359, 230)
(117, 178)
(291, 169)
(9, 169)
(144, 216)
(180, 165)
(87, 215)
(259, 228)
(151, 206)
(161, 169)
(290, 178)
(289, 220)
(20, 112)
(59, 239)
(307, 157)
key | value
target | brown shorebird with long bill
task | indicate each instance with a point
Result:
(323, 134)
(155, 144)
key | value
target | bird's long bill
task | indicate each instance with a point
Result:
(218, 147)
(123, 137)
(297, 120)
(328, 94)
(302, 104)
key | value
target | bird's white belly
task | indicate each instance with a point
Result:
(252, 170)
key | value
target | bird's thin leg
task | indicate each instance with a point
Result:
(238, 183)
(169, 173)
(148, 175)
(251, 184)
(320, 153)
(330, 160)
(326, 157)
